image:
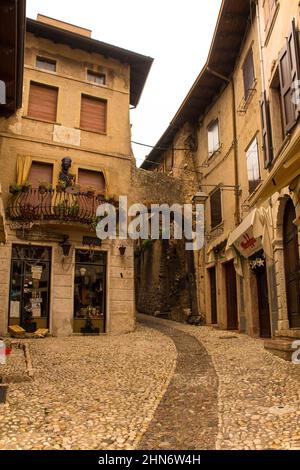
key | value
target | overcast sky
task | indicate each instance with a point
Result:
(176, 33)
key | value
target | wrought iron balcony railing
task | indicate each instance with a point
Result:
(32, 205)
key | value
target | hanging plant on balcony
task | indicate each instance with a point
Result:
(26, 188)
(74, 189)
(15, 188)
(94, 222)
(90, 191)
(44, 187)
(61, 186)
(73, 210)
(61, 210)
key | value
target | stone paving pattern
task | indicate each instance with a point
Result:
(166, 386)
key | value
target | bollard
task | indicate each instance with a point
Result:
(3, 393)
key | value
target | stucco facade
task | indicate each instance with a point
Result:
(250, 234)
(107, 153)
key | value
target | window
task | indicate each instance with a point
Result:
(248, 74)
(266, 130)
(46, 64)
(93, 114)
(269, 7)
(213, 137)
(43, 102)
(289, 73)
(40, 173)
(276, 114)
(92, 179)
(98, 78)
(216, 208)
(253, 165)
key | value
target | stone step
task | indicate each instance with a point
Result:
(281, 347)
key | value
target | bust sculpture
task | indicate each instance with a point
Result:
(64, 176)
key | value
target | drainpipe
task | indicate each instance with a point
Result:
(237, 214)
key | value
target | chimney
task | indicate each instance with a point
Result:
(66, 26)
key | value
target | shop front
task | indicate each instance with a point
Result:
(90, 292)
(250, 246)
(29, 300)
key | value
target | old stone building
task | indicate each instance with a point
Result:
(242, 120)
(65, 152)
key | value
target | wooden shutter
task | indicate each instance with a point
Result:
(43, 102)
(289, 73)
(40, 173)
(266, 130)
(248, 73)
(93, 114)
(94, 179)
(216, 208)
(293, 48)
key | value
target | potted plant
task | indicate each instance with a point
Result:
(26, 187)
(15, 188)
(61, 209)
(74, 210)
(94, 222)
(74, 189)
(90, 191)
(44, 187)
(61, 186)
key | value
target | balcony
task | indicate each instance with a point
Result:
(61, 205)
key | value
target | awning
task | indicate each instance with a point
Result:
(216, 244)
(253, 234)
(285, 170)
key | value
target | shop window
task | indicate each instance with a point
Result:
(248, 74)
(93, 114)
(216, 208)
(43, 102)
(253, 168)
(30, 287)
(94, 77)
(213, 137)
(90, 292)
(46, 64)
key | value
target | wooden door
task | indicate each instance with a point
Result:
(263, 303)
(291, 256)
(231, 297)
(213, 296)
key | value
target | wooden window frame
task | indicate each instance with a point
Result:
(247, 92)
(211, 125)
(266, 130)
(48, 61)
(253, 189)
(95, 74)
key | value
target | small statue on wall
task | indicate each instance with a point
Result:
(65, 177)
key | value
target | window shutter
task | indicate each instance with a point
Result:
(293, 48)
(248, 73)
(216, 208)
(95, 179)
(40, 173)
(289, 73)
(43, 102)
(266, 130)
(93, 114)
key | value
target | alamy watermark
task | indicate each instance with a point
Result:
(160, 222)
(296, 354)
(2, 353)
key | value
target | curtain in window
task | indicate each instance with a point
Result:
(23, 169)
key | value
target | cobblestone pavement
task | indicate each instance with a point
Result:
(187, 416)
(88, 392)
(166, 386)
(258, 396)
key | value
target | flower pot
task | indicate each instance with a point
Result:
(3, 392)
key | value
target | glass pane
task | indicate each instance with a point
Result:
(15, 290)
(253, 166)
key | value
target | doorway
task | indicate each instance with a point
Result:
(263, 302)
(213, 296)
(231, 296)
(30, 287)
(90, 292)
(291, 258)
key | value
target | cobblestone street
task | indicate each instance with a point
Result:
(166, 386)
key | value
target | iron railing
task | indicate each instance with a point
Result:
(54, 205)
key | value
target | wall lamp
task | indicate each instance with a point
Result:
(65, 245)
(122, 250)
